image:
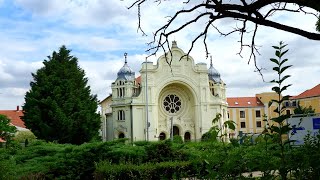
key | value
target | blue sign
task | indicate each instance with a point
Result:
(316, 123)
(295, 128)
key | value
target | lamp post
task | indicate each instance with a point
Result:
(171, 132)
(147, 105)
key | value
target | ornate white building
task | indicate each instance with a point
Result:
(182, 98)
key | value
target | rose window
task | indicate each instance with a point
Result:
(172, 103)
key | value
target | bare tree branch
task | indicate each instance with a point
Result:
(244, 12)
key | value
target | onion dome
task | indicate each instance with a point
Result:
(126, 73)
(213, 74)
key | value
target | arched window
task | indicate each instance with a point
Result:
(211, 84)
(121, 92)
(162, 136)
(187, 136)
(121, 115)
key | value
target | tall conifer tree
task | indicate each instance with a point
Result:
(59, 106)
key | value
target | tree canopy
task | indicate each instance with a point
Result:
(256, 12)
(6, 129)
(59, 106)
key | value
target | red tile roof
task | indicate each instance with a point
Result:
(244, 102)
(313, 92)
(14, 116)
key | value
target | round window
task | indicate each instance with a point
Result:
(172, 103)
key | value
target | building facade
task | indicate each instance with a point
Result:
(249, 113)
(310, 97)
(174, 96)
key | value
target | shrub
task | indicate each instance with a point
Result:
(162, 170)
(141, 143)
(159, 151)
(21, 136)
(7, 165)
(177, 139)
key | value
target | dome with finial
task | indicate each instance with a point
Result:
(125, 73)
(213, 74)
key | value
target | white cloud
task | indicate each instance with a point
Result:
(100, 31)
(43, 8)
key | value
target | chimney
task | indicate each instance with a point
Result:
(17, 108)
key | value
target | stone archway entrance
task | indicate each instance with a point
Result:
(176, 131)
(187, 136)
(121, 135)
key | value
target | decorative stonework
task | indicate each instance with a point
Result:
(172, 103)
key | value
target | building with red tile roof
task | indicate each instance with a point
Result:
(248, 112)
(15, 117)
(244, 102)
(310, 97)
(310, 93)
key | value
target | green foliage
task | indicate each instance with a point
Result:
(21, 136)
(177, 139)
(7, 165)
(156, 160)
(162, 170)
(303, 110)
(218, 130)
(159, 151)
(141, 143)
(59, 106)
(6, 130)
(279, 128)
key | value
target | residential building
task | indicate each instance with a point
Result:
(249, 113)
(15, 118)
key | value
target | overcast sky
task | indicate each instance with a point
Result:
(99, 32)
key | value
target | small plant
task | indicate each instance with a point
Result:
(219, 131)
(279, 128)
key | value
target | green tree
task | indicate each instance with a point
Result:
(6, 130)
(59, 106)
(303, 110)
